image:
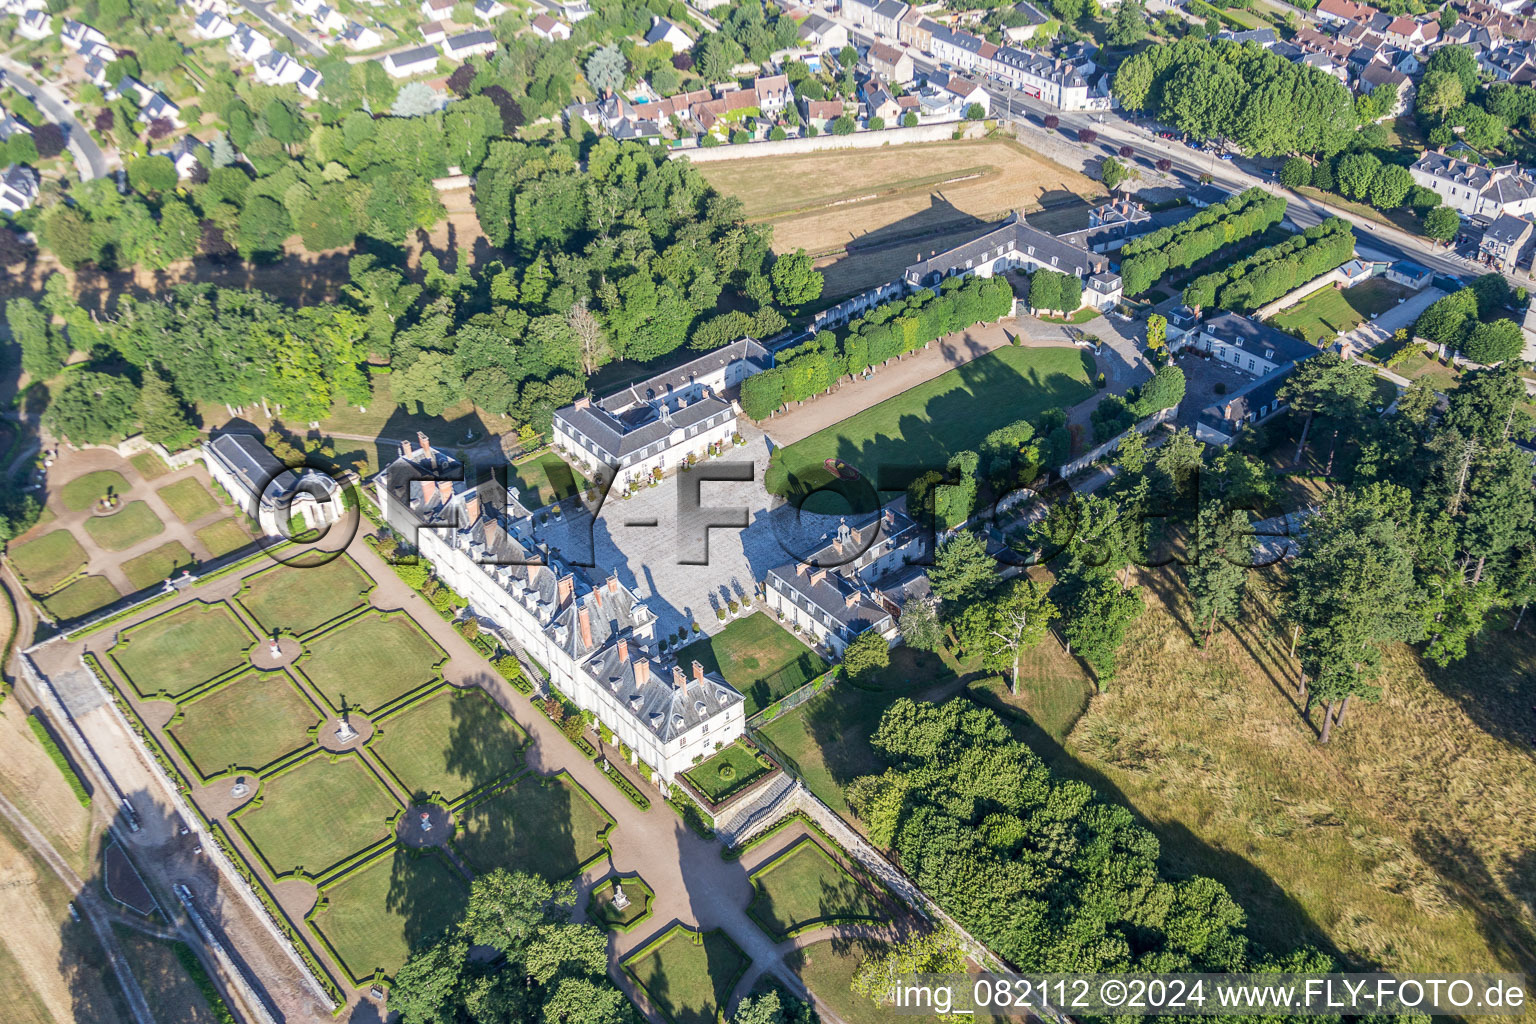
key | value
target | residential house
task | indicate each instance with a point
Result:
(546, 27)
(434, 32)
(916, 29)
(773, 94)
(658, 424)
(309, 83)
(1505, 242)
(820, 114)
(159, 108)
(1035, 20)
(212, 25)
(11, 125)
(360, 37)
(575, 10)
(437, 10)
(857, 579)
(1012, 245)
(594, 637)
(882, 17)
(247, 44)
(75, 34)
(1265, 354)
(1049, 79)
(822, 34)
(1208, 195)
(1337, 12)
(35, 25)
(188, 154)
(945, 94)
(277, 69)
(1474, 190)
(1410, 275)
(663, 31)
(1264, 38)
(418, 60)
(18, 188)
(1415, 34)
(268, 491)
(889, 63)
(878, 102)
(1378, 75)
(328, 20)
(468, 44)
(304, 8)
(489, 10)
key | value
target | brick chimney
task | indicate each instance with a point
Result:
(584, 402)
(407, 450)
(852, 599)
(566, 588)
(623, 651)
(698, 672)
(445, 490)
(426, 445)
(679, 681)
(472, 509)
(584, 621)
(642, 671)
(613, 582)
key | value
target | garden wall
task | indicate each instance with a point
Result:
(1088, 458)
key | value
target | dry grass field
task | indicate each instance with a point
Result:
(894, 200)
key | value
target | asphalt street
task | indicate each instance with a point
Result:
(90, 162)
(263, 10)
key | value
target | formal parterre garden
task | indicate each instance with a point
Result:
(331, 818)
(805, 888)
(688, 975)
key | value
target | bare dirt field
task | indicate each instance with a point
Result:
(34, 784)
(886, 204)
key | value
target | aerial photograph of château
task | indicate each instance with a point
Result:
(767, 511)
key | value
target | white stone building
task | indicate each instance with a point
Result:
(1475, 190)
(268, 491)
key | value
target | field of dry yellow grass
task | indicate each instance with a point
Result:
(886, 203)
(1407, 843)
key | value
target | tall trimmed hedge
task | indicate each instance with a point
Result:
(1143, 261)
(886, 331)
(1269, 274)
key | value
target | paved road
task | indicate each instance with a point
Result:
(90, 161)
(263, 10)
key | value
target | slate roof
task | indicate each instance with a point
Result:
(251, 462)
(1252, 336)
(1507, 229)
(1012, 234)
(831, 577)
(1229, 414)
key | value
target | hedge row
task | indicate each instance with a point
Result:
(1272, 272)
(60, 760)
(509, 668)
(690, 812)
(885, 332)
(1145, 260)
(622, 783)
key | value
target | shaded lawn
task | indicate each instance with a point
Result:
(803, 887)
(1053, 689)
(224, 536)
(81, 597)
(450, 744)
(924, 426)
(1330, 310)
(172, 995)
(182, 650)
(601, 910)
(547, 826)
(733, 769)
(827, 737)
(688, 982)
(189, 499)
(543, 479)
(248, 723)
(149, 465)
(124, 528)
(318, 814)
(827, 969)
(757, 656)
(48, 561)
(153, 567)
(297, 600)
(375, 916)
(83, 492)
(371, 661)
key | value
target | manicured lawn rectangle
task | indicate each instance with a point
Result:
(224, 536)
(318, 814)
(149, 465)
(49, 560)
(180, 650)
(297, 600)
(153, 567)
(927, 424)
(688, 976)
(547, 826)
(248, 723)
(370, 661)
(375, 916)
(450, 744)
(124, 528)
(544, 479)
(189, 499)
(804, 888)
(85, 491)
(759, 657)
(81, 597)
(1330, 310)
(733, 769)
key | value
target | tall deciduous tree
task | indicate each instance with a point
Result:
(1002, 627)
(1218, 575)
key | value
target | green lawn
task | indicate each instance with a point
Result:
(730, 771)
(248, 723)
(48, 561)
(149, 465)
(547, 826)
(83, 492)
(804, 888)
(224, 536)
(318, 814)
(450, 744)
(689, 976)
(1053, 689)
(153, 567)
(827, 969)
(370, 661)
(924, 426)
(181, 650)
(81, 597)
(827, 737)
(375, 916)
(1329, 310)
(759, 657)
(129, 525)
(189, 499)
(543, 479)
(601, 910)
(297, 600)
